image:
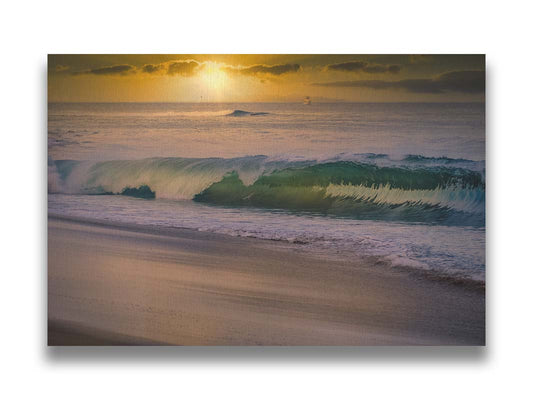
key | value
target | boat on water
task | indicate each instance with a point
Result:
(307, 100)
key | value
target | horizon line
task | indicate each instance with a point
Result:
(265, 102)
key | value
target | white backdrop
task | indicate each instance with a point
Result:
(30, 31)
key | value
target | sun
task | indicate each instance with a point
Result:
(213, 77)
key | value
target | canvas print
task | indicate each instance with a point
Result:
(266, 199)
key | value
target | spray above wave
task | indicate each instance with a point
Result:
(420, 193)
(170, 178)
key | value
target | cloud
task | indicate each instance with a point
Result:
(152, 68)
(176, 67)
(261, 69)
(420, 58)
(363, 66)
(186, 68)
(462, 81)
(61, 68)
(454, 81)
(121, 69)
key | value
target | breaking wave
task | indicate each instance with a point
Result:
(417, 189)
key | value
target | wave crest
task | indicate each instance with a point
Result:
(420, 193)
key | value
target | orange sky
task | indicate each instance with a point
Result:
(270, 77)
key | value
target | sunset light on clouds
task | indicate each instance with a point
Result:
(265, 78)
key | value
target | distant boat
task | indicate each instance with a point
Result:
(307, 100)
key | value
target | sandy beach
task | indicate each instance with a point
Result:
(112, 284)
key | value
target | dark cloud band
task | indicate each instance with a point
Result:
(121, 69)
(261, 69)
(152, 68)
(455, 81)
(363, 66)
(184, 68)
(180, 67)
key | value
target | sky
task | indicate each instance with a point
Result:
(265, 78)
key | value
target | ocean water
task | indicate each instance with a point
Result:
(401, 182)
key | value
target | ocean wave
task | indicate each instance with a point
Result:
(418, 192)
(242, 113)
(170, 178)
(408, 161)
(457, 204)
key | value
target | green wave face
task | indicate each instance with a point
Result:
(231, 191)
(431, 195)
(345, 172)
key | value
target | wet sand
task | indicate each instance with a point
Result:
(111, 284)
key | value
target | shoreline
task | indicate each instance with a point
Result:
(432, 275)
(131, 284)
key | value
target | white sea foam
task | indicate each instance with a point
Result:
(461, 199)
(446, 250)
